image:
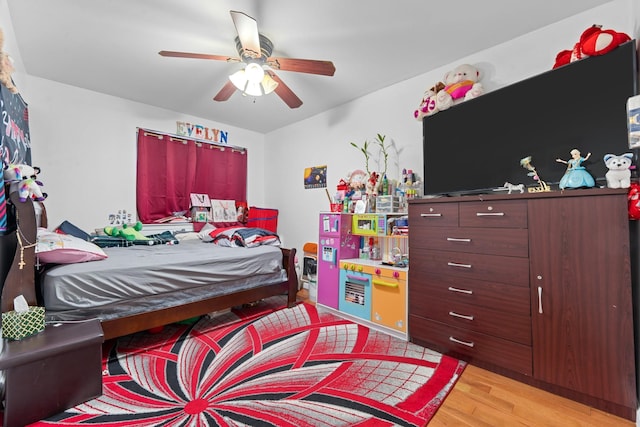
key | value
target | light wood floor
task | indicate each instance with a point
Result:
(481, 398)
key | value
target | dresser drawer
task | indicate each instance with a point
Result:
(499, 213)
(497, 323)
(433, 215)
(492, 295)
(491, 268)
(471, 345)
(507, 241)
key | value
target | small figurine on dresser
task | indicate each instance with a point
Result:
(576, 175)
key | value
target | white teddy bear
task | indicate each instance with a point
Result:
(619, 175)
(461, 84)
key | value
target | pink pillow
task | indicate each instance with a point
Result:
(54, 248)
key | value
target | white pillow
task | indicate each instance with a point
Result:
(58, 248)
(204, 232)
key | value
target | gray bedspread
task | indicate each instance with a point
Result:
(139, 278)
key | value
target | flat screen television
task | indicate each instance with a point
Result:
(476, 146)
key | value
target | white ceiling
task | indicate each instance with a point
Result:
(111, 46)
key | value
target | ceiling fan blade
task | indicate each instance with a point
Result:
(247, 29)
(198, 56)
(311, 66)
(225, 93)
(284, 92)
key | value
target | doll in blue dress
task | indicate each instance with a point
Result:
(576, 175)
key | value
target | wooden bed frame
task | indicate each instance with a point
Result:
(17, 263)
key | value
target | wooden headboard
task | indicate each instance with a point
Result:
(18, 255)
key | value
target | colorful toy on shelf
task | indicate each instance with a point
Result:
(427, 106)
(576, 176)
(619, 175)
(372, 184)
(593, 41)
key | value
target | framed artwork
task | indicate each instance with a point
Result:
(315, 177)
(224, 211)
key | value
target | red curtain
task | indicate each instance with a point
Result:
(170, 168)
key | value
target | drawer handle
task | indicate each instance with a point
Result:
(357, 278)
(489, 213)
(457, 341)
(454, 239)
(462, 291)
(461, 316)
(430, 214)
(383, 283)
(540, 299)
(455, 264)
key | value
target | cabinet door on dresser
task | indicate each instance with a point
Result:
(582, 314)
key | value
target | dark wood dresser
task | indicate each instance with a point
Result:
(533, 286)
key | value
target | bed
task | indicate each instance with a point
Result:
(141, 287)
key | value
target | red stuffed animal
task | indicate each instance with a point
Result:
(594, 41)
(634, 201)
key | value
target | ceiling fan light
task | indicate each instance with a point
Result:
(243, 81)
(254, 72)
(268, 84)
(253, 89)
(239, 79)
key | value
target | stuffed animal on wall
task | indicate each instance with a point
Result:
(619, 175)
(427, 106)
(6, 67)
(127, 232)
(593, 41)
(14, 173)
(461, 84)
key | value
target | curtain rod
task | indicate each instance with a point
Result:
(184, 137)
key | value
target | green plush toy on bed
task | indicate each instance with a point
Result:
(127, 232)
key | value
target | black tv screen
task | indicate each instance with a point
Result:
(476, 146)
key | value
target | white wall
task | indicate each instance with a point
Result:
(88, 155)
(324, 139)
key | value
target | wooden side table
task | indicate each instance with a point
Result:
(52, 371)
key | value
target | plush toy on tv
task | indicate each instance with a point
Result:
(6, 68)
(127, 232)
(619, 175)
(427, 106)
(593, 41)
(461, 84)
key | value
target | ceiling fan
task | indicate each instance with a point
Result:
(257, 77)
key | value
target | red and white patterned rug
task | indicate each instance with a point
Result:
(292, 367)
